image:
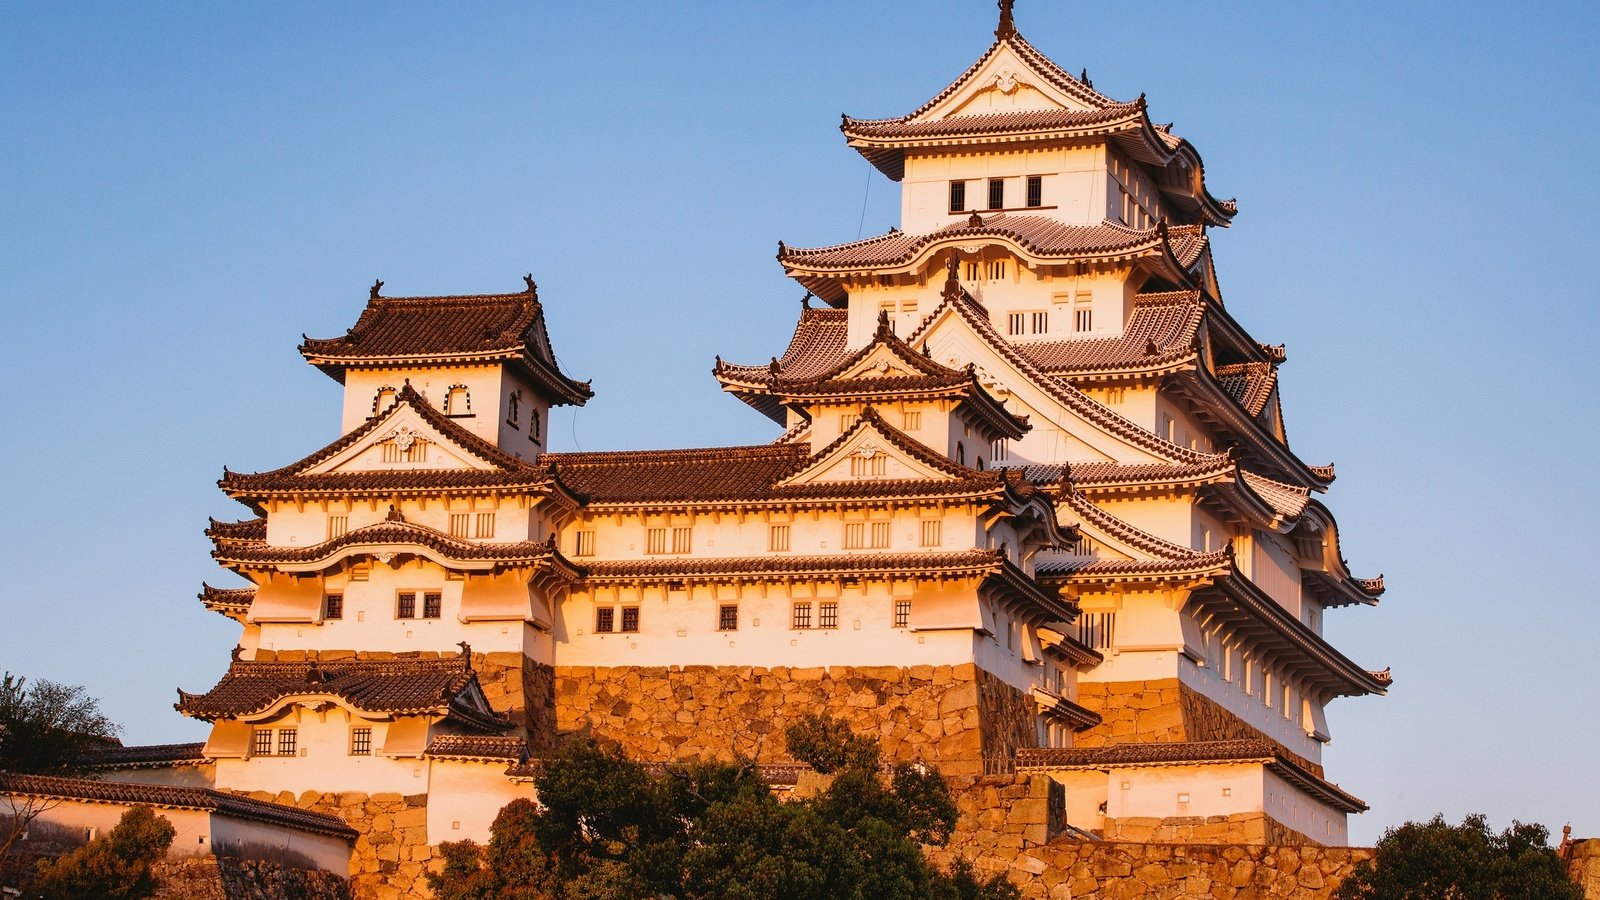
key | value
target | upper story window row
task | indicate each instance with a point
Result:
(1029, 190)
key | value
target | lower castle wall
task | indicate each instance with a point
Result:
(959, 718)
(213, 878)
(1583, 866)
(1164, 710)
(392, 854)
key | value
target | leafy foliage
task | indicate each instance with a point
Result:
(49, 728)
(1465, 862)
(116, 865)
(607, 828)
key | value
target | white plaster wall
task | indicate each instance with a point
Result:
(1070, 174)
(515, 519)
(466, 796)
(193, 826)
(484, 383)
(1310, 817)
(1231, 696)
(324, 762)
(200, 776)
(326, 851)
(1216, 789)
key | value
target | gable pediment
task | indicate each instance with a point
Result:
(1004, 82)
(403, 440)
(873, 451)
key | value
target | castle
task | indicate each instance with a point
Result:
(1032, 508)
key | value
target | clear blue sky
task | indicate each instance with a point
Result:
(185, 188)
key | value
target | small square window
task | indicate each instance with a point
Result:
(485, 525)
(932, 533)
(802, 615)
(630, 619)
(880, 535)
(828, 614)
(459, 523)
(728, 617)
(405, 606)
(902, 613)
(361, 742)
(680, 539)
(337, 525)
(333, 606)
(605, 620)
(655, 540)
(913, 420)
(286, 741)
(432, 605)
(958, 196)
(778, 538)
(261, 744)
(584, 545)
(855, 535)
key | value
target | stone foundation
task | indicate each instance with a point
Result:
(1002, 814)
(391, 854)
(1583, 866)
(213, 878)
(1163, 710)
(513, 684)
(959, 718)
(1236, 828)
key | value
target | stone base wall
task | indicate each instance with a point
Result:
(1583, 866)
(1009, 721)
(935, 714)
(1164, 710)
(513, 684)
(213, 878)
(1237, 828)
(1106, 870)
(1002, 814)
(392, 853)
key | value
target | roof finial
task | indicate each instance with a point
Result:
(1085, 78)
(238, 651)
(532, 288)
(394, 515)
(885, 329)
(1008, 26)
(372, 293)
(805, 302)
(952, 281)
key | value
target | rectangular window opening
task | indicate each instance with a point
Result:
(337, 525)
(932, 533)
(630, 619)
(405, 606)
(913, 420)
(361, 742)
(485, 525)
(1035, 190)
(432, 605)
(997, 193)
(958, 196)
(680, 539)
(262, 744)
(880, 535)
(828, 614)
(802, 615)
(605, 620)
(655, 540)
(728, 617)
(333, 606)
(286, 741)
(778, 538)
(584, 545)
(902, 613)
(459, 523)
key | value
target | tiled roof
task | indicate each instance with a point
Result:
(1193, 753)
(245, 530)
(398, 687)
(1055, 570)
(147, 756)
(1249, 384)
(1090, 475)
(478, 327)
(776, 564)
(160, 795)
(228, 601)
(478, 746)
(1161, 331)
(505, 470)
(1287, 500)
(1039, 235)
(817, 346)
(395, 530)
(1017, 122)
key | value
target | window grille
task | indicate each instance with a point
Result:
(1040, 322)
(847, 421)
(360, 741)
(1016, 323)
(996, 269)
(585, 544)
(728, 617)
(913, 420)
(778, 538)
(655, 540)
(333, 606)
(486, 525)
(880, 535)
(997, 193)
(902, 613)
(802, 615)
(1083, 319)
(630, 619)
(828, 614)
(405, 605)
(286, 741)
(605, 619)
(432, 605)
(680, 540)
(932, 533)
(459, 523)
(855, 535)
(958, 196)
(1097, 630)
(1035, 190)
(262, 745)
(337, 525)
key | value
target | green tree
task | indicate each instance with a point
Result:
(1462, 862)
(607, 828)
(49, 728)
(116, 866)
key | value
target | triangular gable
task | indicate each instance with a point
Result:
(855, 455)
(1011, 68)
(887, 357)
(959, 330)
(403, 440)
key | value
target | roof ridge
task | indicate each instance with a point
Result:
(592, 457)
